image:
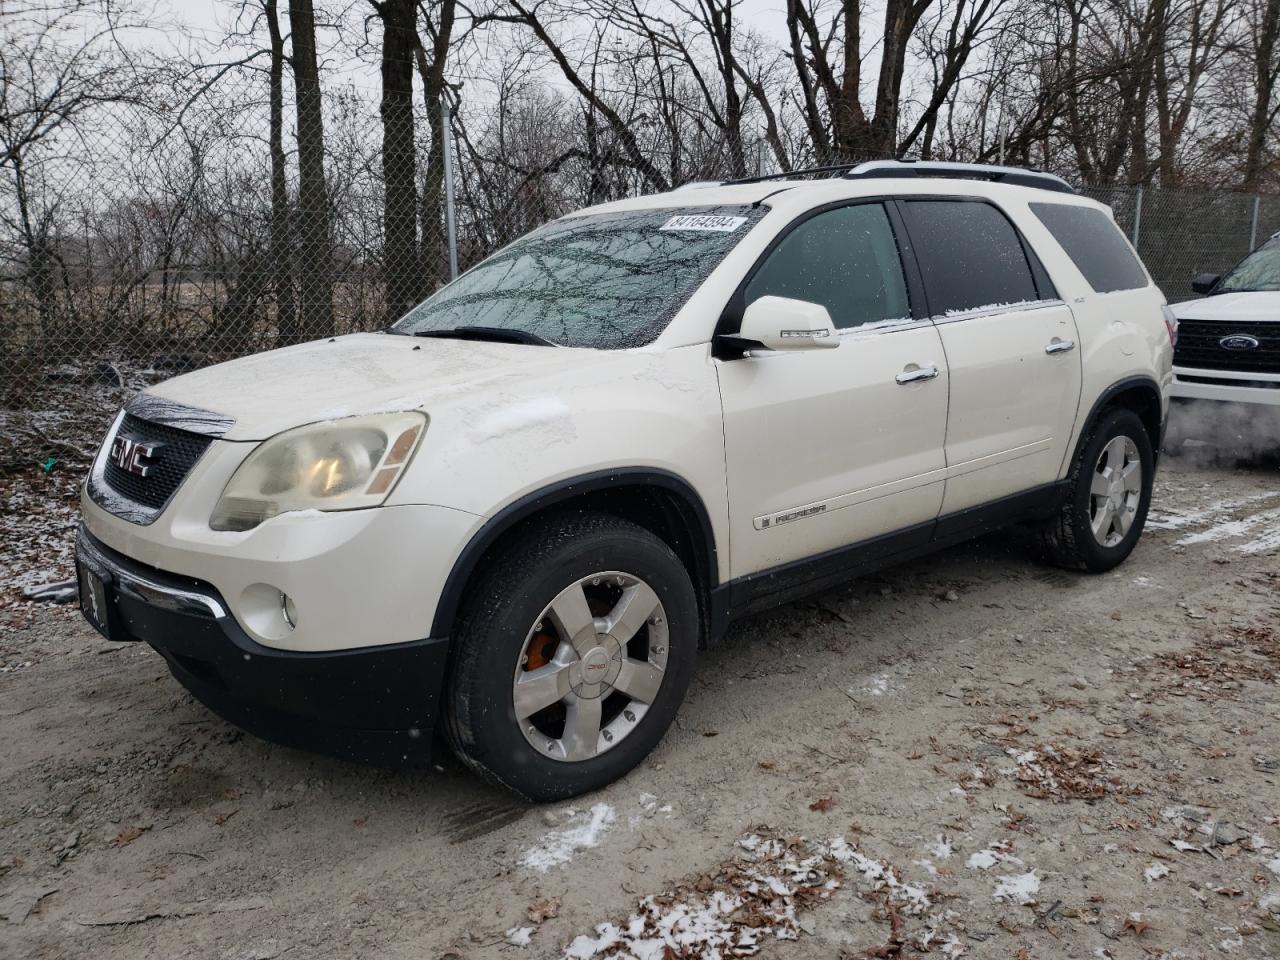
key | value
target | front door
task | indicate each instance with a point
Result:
(826, 448)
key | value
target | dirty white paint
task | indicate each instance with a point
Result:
(549, 416)
(585, 829)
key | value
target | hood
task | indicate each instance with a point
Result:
(362, 373)
(1255, 306)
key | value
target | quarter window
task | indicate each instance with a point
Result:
(1094, 244)
(845, 259)
(970, 256)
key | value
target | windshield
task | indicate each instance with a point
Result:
(609, 280)
(1258, 271)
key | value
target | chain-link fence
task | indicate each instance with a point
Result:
(163, 233)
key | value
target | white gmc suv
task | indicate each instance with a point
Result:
(1228, 349)
(514, 517)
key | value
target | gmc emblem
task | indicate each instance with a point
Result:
(131, 455)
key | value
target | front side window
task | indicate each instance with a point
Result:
(1094, 244)
(970, 256)
(609, 281)
(845, 259)
(1260, 270)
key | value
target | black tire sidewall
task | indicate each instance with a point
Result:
(494, 739)
(1096, 557)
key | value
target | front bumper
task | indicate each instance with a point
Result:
(1227, 385)
(373, 705)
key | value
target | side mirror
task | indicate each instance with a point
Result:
(1204, 282)
(781, 323)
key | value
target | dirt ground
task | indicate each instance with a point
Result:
(971, 755)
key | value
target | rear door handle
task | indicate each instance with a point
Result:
(1060, 346)
(919, 373)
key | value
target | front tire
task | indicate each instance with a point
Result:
(1102, 518)
(574, 651)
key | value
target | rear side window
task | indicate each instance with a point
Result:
(845, 259)
(1094, 243)
(970, 256)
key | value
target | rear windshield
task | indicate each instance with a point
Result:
(608, 281)
(1260, 270)
(1095, 244)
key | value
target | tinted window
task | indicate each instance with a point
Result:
(609, 280)
(1094, 244)
(970, 255)
(845, 259)
(1260, 270)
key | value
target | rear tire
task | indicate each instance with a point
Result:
(551, 697)
(1099, 523)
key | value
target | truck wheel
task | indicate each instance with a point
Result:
(574, 650)
(1100, 521)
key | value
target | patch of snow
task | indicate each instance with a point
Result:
(559, 846)
(877, 685)
(1155, 872)
(942, 848)
(1018, 888)
(1274, 866)
(912, 896)
(520, 936)
(988, 858)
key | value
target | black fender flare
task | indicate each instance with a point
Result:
(693, 509)
(1145, 383)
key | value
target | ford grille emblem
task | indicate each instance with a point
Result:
(132, 456)
(1239, 341)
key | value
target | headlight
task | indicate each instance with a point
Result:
(338, 465)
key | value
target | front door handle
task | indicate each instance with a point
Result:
(927, 372)
(1060, 346)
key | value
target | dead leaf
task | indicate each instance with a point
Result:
(766, 764)
(822, 804)
(361, 821)
(541, 910)
(128, 835)
(1139, 927)
(222, 818)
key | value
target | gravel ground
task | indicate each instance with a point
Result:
(971, 755)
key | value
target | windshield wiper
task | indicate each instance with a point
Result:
(488, 334)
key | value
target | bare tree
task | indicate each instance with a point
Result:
(315, 256)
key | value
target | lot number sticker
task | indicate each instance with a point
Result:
(704, 222)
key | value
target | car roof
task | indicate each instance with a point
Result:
(800, 194)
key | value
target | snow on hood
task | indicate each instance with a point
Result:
(356, 374)
(1248, 307)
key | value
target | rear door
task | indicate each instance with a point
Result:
(825, 448)
(1011, 348)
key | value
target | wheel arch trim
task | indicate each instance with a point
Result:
(1105, 398)
(562, 491)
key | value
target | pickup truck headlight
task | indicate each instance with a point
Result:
(336, 465)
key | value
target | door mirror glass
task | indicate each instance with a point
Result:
(781, 323)
(1204, 282)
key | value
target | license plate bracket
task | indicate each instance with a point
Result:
(97, 603)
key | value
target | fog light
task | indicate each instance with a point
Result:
(290, 610)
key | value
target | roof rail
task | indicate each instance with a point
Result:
(834, 169)
(1017, 176)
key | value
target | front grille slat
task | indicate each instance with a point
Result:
(1198, 346)
(176, 452)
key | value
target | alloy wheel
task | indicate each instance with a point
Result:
(590, 667)
(1115, 491)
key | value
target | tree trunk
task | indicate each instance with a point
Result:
(315, 256)
(281, 243)
(1261, 115)
(401, 267)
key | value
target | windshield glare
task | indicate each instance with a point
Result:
(608, 281)
(1258, 271)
